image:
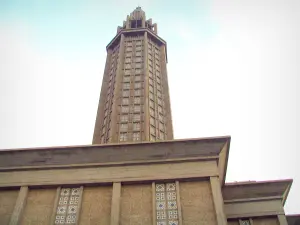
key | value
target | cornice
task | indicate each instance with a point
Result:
(140, 30)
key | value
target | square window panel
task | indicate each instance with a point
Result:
(159, 187)
(172, 205)
(160, 205)
(171, 186)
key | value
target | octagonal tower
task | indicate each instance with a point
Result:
(134, 103)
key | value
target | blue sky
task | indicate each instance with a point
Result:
(237, 61)
(66, 24)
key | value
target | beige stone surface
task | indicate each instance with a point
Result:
(7, 203)
(39, 206)
(19, 206)
(253, 208)
(136, 204)
(197, 203)
(115, 204)
(96, 205)
(68, 156)
(265, 221)
(218, 200)
(109, 174)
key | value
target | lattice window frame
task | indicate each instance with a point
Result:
(166, 203)
(68, 205)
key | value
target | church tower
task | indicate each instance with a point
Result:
(134, 103)
(175, 182)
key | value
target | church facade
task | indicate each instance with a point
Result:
(134, 173)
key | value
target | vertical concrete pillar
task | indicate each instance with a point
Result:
(79, 206)
(117, 92)
(218, 200)
(101, 105)
(153, 204)
(155, 28)
(127, 22)
(144, 20)
(115, 205)
(178, 203)
(20, 204)
(282, 219)
(146, 135)
(166, 93)
(52, 220)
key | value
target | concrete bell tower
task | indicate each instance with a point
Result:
(134, 103)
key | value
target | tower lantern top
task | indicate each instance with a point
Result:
(137, 20)
(137, 14)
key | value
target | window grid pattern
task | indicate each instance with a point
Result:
(156, 102)
(166, 204)
(123, 137)
(68, 206)
(113, 65)
(136, 136)
(132, 90)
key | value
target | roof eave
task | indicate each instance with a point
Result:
(226, 160)
(286, 193)
(283, 195)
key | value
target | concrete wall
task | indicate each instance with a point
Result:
(96, 174)
(197, 203)
(39, 206)
(96, 205)
(7, 203)
(256, 208)
(136, 204)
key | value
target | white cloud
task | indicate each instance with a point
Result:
(43, 97)
(243, 82)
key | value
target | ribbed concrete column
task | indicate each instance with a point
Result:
(101, 105)
(117, 92)
(146, 91)
(165, 86)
